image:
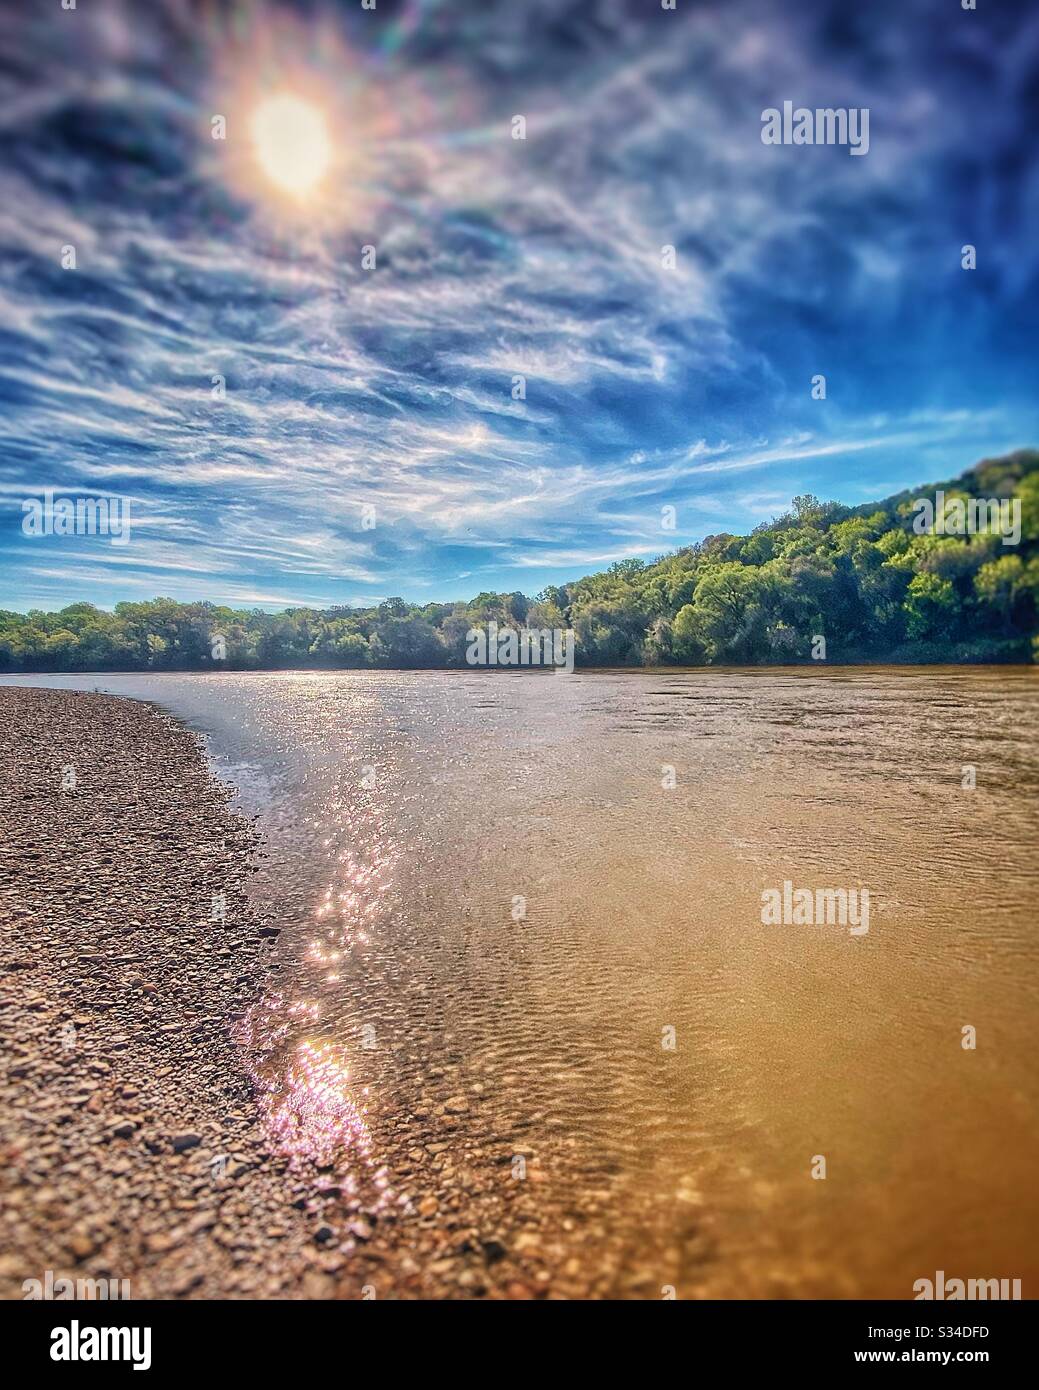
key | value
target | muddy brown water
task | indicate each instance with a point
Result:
(536, 900)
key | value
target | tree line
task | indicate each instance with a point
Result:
(866, 579)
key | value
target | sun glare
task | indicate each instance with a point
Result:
(316, 136)
(291, 143)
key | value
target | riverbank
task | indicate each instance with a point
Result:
(131, 1145)
(166, 1118)
(497, 916)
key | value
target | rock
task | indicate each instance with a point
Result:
(180, 1142)
(161, 1241)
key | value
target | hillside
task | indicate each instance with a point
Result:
(860, 577)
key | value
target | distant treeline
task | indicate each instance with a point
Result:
(863, 578)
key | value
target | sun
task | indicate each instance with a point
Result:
(313, 137)
(291, 143)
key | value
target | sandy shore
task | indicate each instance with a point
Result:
(132, 1139)
(130, 1145)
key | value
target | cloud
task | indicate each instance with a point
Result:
(542, 259)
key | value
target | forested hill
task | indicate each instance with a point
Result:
(861, 577)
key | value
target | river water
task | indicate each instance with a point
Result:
(523, 943)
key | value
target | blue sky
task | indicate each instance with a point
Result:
(392, 388)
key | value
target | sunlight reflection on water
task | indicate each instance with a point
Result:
(420, 1041)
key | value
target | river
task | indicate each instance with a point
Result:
(523, 942)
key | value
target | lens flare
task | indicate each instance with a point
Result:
(317, 135)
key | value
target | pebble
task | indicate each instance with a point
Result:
(114, 937)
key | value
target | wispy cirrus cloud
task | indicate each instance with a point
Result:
(394, 389)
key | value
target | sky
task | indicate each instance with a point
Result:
(288, 424)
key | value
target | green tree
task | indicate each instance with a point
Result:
(930, 605)
(999, 584)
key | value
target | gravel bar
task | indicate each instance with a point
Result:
(130, 1147)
